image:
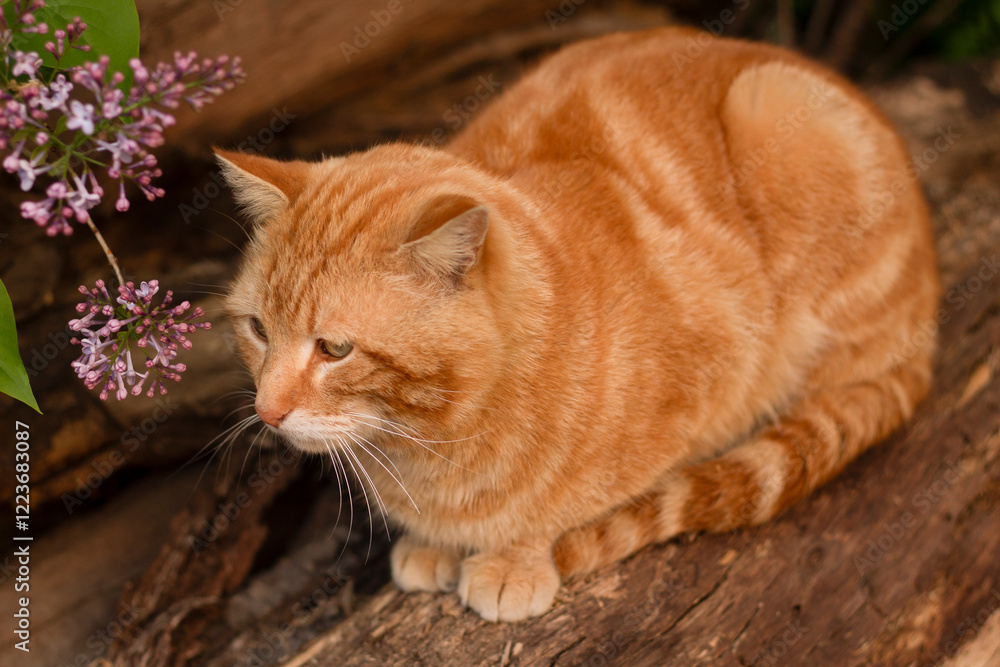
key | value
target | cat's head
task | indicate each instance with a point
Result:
(362, 305)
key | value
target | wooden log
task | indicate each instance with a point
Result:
(210, 553)
(316, 58)
(895, 562)
(883, 566)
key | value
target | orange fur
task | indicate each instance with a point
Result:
(694, 303)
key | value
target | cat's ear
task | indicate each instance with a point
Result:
(262, 187)
(453, 248)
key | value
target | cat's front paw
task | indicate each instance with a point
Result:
(418, 567)
(509, 586)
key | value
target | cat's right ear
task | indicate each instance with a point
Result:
(452, 249)
(263, 187)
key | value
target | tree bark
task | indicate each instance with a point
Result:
(893, 563)
(368, 64)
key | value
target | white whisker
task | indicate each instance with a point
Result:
(364, 491)
(239, 409)
(398, 481)
(341, 469)
(460, 404)
(231, 432)
(340, 486)
(380, 505)
(410, 437)
(419, 441)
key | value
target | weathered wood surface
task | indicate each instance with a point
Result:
(366, 71)
(883, 566)
(897, 562)
(78, 569)
(277, 588)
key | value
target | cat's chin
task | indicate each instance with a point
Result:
(307, 445)
(314, 436)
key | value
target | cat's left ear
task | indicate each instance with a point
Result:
(451, 250)
(263, 187)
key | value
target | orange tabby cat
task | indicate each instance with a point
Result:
(642, 294)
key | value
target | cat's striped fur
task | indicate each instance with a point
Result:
(639, 295)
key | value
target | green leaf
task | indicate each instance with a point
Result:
(13, 376)
(112, 30)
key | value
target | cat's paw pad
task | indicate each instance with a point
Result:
(508, 586)
(418, 567)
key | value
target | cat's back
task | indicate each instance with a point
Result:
(663, 84)
(746, 151)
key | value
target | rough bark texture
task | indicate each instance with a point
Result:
(372, 69)
(894, 563)
(883, 566)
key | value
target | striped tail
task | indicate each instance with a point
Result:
(757, 480)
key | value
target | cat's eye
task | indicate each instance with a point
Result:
(336, 350)
(258, 328)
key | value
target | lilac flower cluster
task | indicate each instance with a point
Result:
(110, 326)
(64, 127)
(58, 126)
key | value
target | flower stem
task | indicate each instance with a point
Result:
(112, 260)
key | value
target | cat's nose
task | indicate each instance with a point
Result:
(271, 415)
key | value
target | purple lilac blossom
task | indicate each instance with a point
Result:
(111, 326)
(57, 127)
(123, 125)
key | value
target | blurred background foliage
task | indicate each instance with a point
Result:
(864, 38)
(973, 31)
